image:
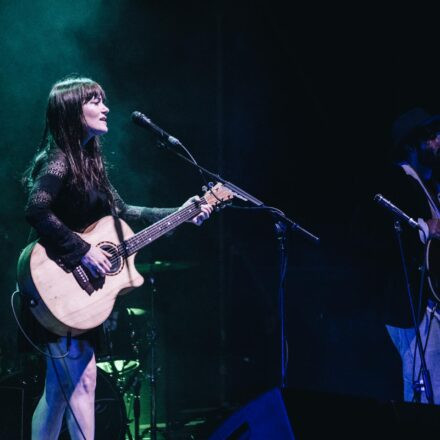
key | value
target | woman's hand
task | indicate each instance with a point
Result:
(204, 215)
(96, 260)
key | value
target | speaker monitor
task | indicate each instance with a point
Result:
(262, 419)
(309, 415)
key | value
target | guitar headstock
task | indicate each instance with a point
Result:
(217, 195)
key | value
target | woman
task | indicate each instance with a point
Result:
(68, 190)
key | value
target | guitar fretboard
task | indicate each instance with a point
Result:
(148, 235)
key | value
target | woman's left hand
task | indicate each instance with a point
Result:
(204, 215)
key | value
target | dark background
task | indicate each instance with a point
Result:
(294, 104)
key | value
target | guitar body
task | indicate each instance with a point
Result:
(57, 299)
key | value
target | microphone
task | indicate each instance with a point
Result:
(143, 121)
(396, 211)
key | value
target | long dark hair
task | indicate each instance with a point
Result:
(65, 129)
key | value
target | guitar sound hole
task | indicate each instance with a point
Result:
(115, 259)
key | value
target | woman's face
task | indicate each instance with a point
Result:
(95, 115)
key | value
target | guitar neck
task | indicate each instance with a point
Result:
(153, 232)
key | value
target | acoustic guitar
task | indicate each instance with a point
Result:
(75, 302)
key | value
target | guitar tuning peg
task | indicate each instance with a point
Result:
(210, 184)
(204, 188)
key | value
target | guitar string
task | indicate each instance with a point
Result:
(174, 220)
(155, 231)
(134, 245)
(131, 244)
(152, 233)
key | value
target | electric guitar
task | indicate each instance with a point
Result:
(75, 302)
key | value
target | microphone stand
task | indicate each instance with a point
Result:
(281, 234)
(426, 378)
(424, 372)
(282, 225)
(243, 195)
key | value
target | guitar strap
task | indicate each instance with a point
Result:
(433, 205)
(117, 224)
(435, 212)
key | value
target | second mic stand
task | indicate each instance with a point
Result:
(419, 345)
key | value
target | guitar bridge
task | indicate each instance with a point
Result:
(83, 280)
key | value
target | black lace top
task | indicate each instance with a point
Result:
(55, 209)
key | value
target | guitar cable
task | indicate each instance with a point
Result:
(63, 391)
(50, 355)
(64, 355)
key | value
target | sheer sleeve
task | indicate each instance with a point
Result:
(67, 246)
(130, 212)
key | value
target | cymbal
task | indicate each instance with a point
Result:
(119, 366)
(163, 266)
(136, 311)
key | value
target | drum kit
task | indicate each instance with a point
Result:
(128, 360)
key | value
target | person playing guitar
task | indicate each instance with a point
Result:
(412, 185)
(69, 190)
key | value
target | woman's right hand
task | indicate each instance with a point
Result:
(96, 260)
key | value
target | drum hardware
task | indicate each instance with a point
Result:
(119, 366)
(128, 369)
(154, 371)
(111, 420)
(122, 342)
(122, 361)
(136, 311)
(130, 384)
